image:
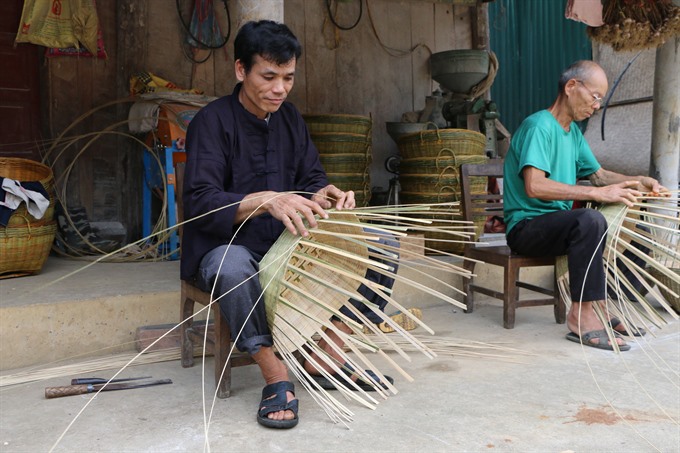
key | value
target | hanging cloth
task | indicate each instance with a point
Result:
(587, 11)
(204, 26)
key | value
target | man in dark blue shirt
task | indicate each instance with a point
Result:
(245, 153)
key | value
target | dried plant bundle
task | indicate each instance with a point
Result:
(635, 25)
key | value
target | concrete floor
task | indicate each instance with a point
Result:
(555, 397)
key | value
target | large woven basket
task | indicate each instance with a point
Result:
(360, 183)
(430, 143)
(672, 284)
(337, 143)
(25, 170)
(444, 188)
(25, 248)
(26, 241)
(437, 164)
(339, 123)
(345, 163)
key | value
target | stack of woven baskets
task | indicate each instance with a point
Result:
(344, 144)
(429, 172)
(25, 242)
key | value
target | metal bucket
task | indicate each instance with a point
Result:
(459, 70)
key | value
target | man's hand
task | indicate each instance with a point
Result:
(291, 209)
(329, 194)
(652, 186)
(623, 192)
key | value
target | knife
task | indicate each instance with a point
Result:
(81, 389)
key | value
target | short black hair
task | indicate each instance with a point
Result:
(271, 40)
(579, 70)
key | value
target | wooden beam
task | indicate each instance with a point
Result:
(480, 26)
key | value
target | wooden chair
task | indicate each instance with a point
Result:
(221, 340)
(482, 205)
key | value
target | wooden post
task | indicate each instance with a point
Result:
(665, 159)
(247, 10)
(131, 47)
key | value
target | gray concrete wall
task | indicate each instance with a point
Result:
(628, 128)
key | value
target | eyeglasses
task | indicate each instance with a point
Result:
(596, 99)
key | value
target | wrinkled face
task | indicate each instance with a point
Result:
(586, 95)
(266, 86)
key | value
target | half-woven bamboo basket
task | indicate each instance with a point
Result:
(651, 224)
(307, 280)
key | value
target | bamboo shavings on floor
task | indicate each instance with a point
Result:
(90, 366)
(456, 347)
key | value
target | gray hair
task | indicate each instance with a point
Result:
(579, 70)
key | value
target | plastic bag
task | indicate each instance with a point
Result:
(59, 23)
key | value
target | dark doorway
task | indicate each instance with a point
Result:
(19, 88)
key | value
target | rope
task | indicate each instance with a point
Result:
(391, 50)
(356, 22)
(483, 86)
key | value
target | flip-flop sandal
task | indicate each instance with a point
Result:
(637, 332)
(274, 400)
(328, 384)
(402, 320)
(601, 335)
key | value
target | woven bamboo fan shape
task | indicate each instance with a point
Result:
(319, 265)
(650, 232)
(307, 280)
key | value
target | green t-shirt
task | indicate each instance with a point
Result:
(541, 142)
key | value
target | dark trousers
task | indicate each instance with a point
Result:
(243, 303)
(579, 234)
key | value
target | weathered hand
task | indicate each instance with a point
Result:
(343, 200)
(623, 192)
(651, 185)
(291, 209)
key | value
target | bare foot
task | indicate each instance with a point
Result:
(274, 370)
(588, 321)
(313, 366)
